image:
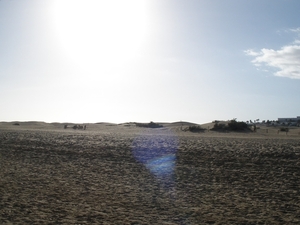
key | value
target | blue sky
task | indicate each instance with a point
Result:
(159, 60)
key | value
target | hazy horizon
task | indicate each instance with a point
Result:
(125, 122)
(140, 60)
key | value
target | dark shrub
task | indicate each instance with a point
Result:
(196, 129)
(149, 125)
(237, 126)
(284, 129)
(233, 125)
(220, 127)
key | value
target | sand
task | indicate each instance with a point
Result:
(51, 175)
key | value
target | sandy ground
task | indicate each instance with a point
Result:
(49, 175)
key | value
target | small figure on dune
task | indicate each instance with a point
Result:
(286, 130)
(79, 127)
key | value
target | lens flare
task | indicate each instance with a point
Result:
(162, 166)
(156, 150)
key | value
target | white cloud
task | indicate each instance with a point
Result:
(286, 60)
(251, 52)
(296, 30)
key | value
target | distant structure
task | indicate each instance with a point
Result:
(289, 121)
(282, 120)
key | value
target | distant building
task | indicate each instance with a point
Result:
(288, 120)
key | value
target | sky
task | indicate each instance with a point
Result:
(149, 60)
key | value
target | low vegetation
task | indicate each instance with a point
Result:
(195, 128)
(220, 127)
(233, 125)
(149, 125)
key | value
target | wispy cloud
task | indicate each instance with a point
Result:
(286, 60)
(296, 30)
(251, 52)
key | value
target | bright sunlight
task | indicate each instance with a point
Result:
(98, 35)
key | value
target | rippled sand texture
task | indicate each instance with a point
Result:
(52, 177)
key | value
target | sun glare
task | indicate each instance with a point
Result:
(98, 35)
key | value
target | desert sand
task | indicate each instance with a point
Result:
(123, 174)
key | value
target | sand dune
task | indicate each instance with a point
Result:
(127, 175)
